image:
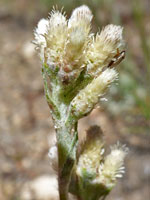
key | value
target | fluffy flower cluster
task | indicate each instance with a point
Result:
(63, 42)
(70, 45)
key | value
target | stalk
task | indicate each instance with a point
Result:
(77, 69)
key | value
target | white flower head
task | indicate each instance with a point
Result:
(56, 35)
(39, 34)
(103, 48)
(78, 33)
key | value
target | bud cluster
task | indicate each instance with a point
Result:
(104, 170)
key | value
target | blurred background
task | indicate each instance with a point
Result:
(26, 128)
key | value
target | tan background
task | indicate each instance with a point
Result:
(26, 128)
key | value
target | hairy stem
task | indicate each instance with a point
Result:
(66, 171)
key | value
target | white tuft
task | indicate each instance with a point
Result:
(39, 34)
(42, 27)
(108, 76)
(112, 32)
(57, 19)
(40, 31)
(82, 13)
(77, 37)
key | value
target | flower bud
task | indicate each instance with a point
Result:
(103, 48)
(91, 151)
(78, 31)
(88, 97)
(56, 36)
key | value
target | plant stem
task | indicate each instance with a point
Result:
(67, 157)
